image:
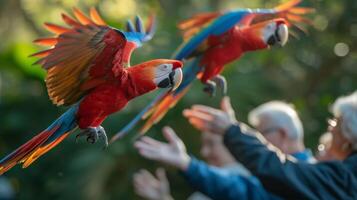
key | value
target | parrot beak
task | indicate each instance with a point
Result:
(280, 36)
(283, 34)
(176, 78)
(169, 75)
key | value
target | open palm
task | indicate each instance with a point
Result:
(171, 153)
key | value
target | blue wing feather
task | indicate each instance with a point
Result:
(219, 26)
(136, 37)
(138, 34)
(222, 24)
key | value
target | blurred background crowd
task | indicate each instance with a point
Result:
(310, 72)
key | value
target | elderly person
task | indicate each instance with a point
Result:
(212, 150)
(280, 124)
(279, 173)
(212, 181)
(277, 120)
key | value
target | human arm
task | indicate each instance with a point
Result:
(279, 173)
(221, 184)
(214, 182)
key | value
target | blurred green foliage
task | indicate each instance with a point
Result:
(310, 72)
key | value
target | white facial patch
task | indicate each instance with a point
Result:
(162, 72)
(269, 30)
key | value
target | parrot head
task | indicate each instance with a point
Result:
(161, 73)
(271, 32)
(168, 74)
(275, 32)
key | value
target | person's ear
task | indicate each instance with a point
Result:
(283, 140)
(282, 134)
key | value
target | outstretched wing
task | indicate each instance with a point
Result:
(84, 55)
(290, 11)
(207, 25)
(198, 28)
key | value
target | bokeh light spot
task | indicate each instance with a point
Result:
(341, 49)
(320, 22)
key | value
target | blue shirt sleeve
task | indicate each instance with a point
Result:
(221, 184)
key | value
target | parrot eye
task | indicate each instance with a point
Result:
(271, 26)
(166, 67)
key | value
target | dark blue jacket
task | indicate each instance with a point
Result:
(283, 176)
(218, 183)
(222, 184)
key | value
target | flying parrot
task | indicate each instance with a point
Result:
(88, 69)
(212, 40)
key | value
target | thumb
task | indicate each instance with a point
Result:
(161, 175)
(170, 135)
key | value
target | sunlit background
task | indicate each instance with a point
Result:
(310, 71)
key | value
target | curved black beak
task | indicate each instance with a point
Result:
(274, 38)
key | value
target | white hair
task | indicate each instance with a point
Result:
(278, 114)
(345, 108)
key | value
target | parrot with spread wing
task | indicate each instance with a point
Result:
(212, 40)
(88, 69)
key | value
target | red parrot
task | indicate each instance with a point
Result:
(211, 41)
(88, 69)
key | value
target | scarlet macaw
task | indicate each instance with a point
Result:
(212, 40)
(88, 69)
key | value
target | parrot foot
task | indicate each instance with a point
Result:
(210, 88)
(94, 134)
(221, 82)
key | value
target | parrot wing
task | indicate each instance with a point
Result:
(198, 28)
(84, 55)
(290, 11)
(212, 24)
(192, 26)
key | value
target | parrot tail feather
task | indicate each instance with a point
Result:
(41, 143)
(287, 5)
(160, 109)
(142, 115)
(293, 13)
(191, 72)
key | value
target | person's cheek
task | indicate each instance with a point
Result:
(335, 145)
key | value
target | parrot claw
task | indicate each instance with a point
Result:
(103, 135)
(93, 134)
(221, 82)
(210, 88)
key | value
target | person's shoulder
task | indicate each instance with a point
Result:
(335, 169)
